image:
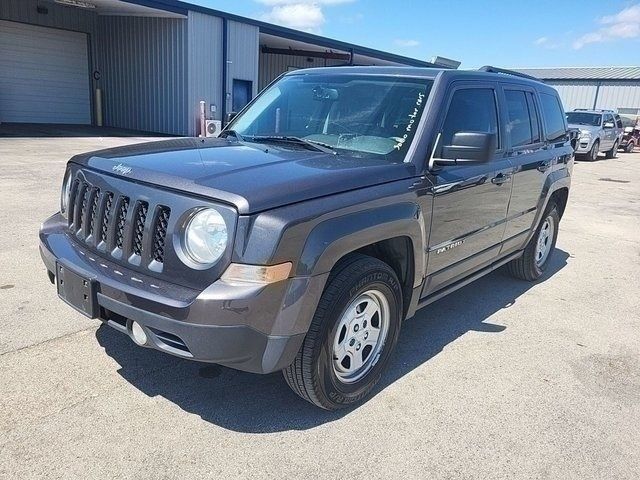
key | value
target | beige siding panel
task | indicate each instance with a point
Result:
(205, 67)
(242, 56)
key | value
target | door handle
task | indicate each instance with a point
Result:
(500, 179)
(544, 166)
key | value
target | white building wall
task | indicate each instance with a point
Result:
(610, 95)
(619, 95)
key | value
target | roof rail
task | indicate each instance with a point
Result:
(603, 110)
(490, 69)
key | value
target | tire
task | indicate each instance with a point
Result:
(629, 148)
(320, 371)
(529, 266)
(593, 153)
(613, 153)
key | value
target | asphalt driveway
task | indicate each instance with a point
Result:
(502, 379)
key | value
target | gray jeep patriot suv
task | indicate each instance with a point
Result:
(335, 205)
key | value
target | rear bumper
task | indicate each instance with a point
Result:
(252, 328)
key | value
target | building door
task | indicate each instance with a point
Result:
(242, 90)
(44, 75)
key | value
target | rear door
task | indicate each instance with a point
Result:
(610, 134)
(531, 157)
(469, 201)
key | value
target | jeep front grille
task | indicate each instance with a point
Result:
(103, 220)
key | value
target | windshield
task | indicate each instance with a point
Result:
(583, 118)
(355, 115)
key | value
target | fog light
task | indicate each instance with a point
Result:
(139, 335)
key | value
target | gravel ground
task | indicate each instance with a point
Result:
(502, 379)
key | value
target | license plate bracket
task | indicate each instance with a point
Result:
(77, 290)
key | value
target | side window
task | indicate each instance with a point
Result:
(608, 118)
(471, 110)
(519, 119)
(618, 121)
(553, 117)
(535, 118)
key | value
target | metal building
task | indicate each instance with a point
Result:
(147, 64)
(594, 87)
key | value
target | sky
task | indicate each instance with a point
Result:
(542, 33)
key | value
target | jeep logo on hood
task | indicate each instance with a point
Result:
(122, 169)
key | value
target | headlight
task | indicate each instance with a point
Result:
(205, 237)
(64, 194)
(585, 134)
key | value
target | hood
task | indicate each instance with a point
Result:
(585, 128)
(251, 177)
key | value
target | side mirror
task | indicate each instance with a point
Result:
(231, 116)
(468, 147)
(608, 125)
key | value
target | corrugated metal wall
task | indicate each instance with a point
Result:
(143, 66)
(205, 67)
(243, 53)
(58, 16)
(576, 95)
(611, 95)
(619, 95)
(273, 64)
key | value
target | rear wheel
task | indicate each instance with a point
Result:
(629, 147)
(613, 153)
(351, 337)
(535, 258)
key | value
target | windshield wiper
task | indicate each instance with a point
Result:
(318, 146)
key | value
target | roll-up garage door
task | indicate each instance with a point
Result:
(44, 75)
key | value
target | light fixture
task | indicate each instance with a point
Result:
(76, 3)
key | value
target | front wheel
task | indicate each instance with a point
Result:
(535, 258)
(593, 153)
(351, 337)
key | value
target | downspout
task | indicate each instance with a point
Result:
(224, 71)
(595, 100)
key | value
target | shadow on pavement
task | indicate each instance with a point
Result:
(251, 403)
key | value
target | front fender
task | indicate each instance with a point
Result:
(336, 237)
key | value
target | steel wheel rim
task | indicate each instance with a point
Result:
(360, 336)
(544, 242)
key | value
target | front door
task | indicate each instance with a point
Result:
(469, 201)
(242, 90)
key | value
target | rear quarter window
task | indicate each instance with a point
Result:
(553, 115)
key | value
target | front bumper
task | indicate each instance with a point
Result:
(584, 145)
(252, 328)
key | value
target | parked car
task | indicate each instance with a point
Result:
(600, 131)
(631, 135)
(335, 205)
